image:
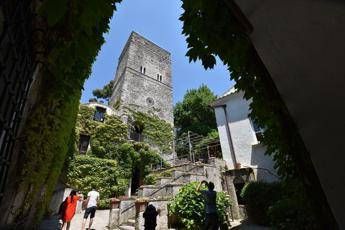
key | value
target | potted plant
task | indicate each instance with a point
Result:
(141, 203)
(114, 203)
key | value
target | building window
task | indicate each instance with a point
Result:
(159, 77)
(84, 141)
(150, 101)
(142, 70)
(99, 114)
(259, 132)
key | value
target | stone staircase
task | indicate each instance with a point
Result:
(166, 188)
(129, 225)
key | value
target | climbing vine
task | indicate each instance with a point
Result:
(109, 148)
(212, 29)
(105, 175)
(73, 35)
(104, 135)
(156, 131)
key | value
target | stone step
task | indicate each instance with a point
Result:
(190, 177)
(126, 227)
(197, 168)
(131, 222)
(178, 172)
(170, 189)
(181, 177)
(163, 180)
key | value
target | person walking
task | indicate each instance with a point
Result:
(92, 200)
(69, 208)
(210, 197)
(150, 217)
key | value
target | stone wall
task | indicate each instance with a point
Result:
(140, 89)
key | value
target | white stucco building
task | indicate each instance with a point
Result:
(240, 137)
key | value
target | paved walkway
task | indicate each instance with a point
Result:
(100, 222)
(102, 218)
(243, 225)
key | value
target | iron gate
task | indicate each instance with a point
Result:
(17, 65)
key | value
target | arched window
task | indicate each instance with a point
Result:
(99, 114)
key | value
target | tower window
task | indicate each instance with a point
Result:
(159, 77)
(142, 70)
(84, 141)
(99, 114)
(150, 101)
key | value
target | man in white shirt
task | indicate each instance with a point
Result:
(92, 199)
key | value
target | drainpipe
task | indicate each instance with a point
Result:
(231, 145)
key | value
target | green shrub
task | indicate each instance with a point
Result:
(188, 205)
(166, 173)
(291, 213)
(106, 176)
(150, 179)
(294, 211)
(258, 197)
(283, 205)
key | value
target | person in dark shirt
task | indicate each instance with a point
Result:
(210, 197)
(150, 216)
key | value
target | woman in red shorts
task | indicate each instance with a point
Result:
(69, 209)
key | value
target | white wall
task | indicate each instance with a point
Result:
(224, 140)
(109, 110)
(248, 151)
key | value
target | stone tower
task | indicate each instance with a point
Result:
(143, 79)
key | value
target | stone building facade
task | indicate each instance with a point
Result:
(143, 80)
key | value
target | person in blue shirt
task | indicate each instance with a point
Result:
(210, 197)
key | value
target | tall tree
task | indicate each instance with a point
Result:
(104, 93)
(194, 112)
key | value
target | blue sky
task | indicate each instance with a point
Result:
(157, 20)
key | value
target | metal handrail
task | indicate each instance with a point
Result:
(160, 188)
(187, 156)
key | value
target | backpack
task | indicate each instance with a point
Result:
(62, 207)
(85, 203)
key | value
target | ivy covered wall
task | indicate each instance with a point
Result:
(111, 159)
(105, 135)
(157, 132)
(105, 175)
(71, 36)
